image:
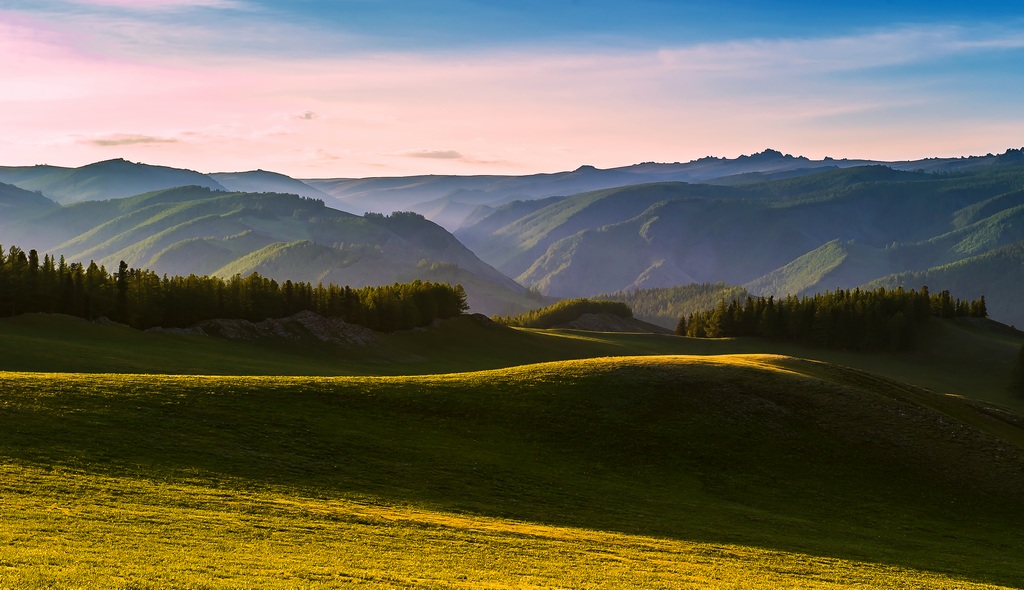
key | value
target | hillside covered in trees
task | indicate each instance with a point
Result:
(195, 230)
(564, 312)
(854, 320)
(829, 229)
(664, 306)
(142, 299)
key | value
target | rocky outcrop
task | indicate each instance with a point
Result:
(303, 326)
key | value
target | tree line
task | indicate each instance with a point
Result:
(142, 299)
(848, 319)
(665, 305)
(564, 312)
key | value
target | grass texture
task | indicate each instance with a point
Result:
(659, 471)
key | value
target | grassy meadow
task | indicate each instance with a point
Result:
(133, 535)
(968, 358)
(654, 471)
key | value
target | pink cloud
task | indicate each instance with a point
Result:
(69, 99)
(121, 139)
(434, 154)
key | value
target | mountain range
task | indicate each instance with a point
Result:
(194, 229)
(771, 223)
(449, 200)
(452, 200)
(844, 228)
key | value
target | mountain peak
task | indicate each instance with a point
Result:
(1012, 154)
(111, 162)
(770, 154)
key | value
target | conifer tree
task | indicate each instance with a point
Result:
(853, 320)
(142, 299)
(681, 326)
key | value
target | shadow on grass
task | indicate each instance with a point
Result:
(711, 453)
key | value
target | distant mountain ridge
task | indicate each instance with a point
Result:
(18, 201)
(451, 200)
(839, 228)
(110, 179)
(262, 181)
(771, 222)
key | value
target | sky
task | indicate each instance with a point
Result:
(357, 88)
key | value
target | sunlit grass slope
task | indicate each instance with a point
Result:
(55, 343)
(973, 359)
(732, 471)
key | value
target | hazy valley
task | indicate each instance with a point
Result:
(771, 223)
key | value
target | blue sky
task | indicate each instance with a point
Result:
(360, 87)
(430, 24)
(447, 24)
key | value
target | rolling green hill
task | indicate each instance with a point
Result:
(303, 261)
(188, 230)
(450, 200)
(830, 229)
(806, 272)
(968, 357)
(16, 204)
(998, 275)
(263, 181)
(206, 256)
(636, 472)
(664, 306)
(833, 264)
(775, 223)
(838, 263)
(469, 454)
(513, 247)
(110, 179)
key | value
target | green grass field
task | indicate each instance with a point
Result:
(657, 471)
(964, 358)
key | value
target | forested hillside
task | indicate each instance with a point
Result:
(142, 299)
(186, 230)
(564, 312)
(850, 320)
(830, 229)
(771, 223)
(452, 201)
(999, 272)
(666, 305)
(263, 181)
(110, 179)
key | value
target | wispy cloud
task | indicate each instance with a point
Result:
(434, 154)
(876, 49)
(452, 156)
(510, 110)
(121, 139)
(164, 5)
